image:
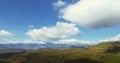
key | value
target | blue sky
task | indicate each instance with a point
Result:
(17, 15)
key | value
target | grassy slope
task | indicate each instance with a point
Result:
(101, 53)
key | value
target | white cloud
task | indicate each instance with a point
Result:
(61, 41)
(5, 33)
(31, 26)
(31, 42)
(5, 41)
(27, 41)
(67, 41)
(59, 31)
(59, 4)
(72, 41)
(93, 13)
(116, 38)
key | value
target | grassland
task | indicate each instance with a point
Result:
(106, 52)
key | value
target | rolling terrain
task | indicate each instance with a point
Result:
(105, 52)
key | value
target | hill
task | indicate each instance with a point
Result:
(106, 52)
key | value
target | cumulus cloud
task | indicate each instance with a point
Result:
(31, 41)
(59, 31)
(61, 41)
(26, 41)
(116, 38)
(93, 13)
(5, 33)
(59, 4)
(5, 41)
(72, 41)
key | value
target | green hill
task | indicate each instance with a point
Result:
(106, 52)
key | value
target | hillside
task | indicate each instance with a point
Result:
(106, 52)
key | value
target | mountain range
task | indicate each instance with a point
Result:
(46, 45)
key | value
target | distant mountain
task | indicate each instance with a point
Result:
(46, 45)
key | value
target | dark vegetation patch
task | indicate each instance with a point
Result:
(8, 55)
(113, 50)
(82, 61)
(3, 62)
(38, 58)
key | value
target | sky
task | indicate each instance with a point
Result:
(59, 21)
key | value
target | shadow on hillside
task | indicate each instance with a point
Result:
(82, 61)
(8, 55)
(113, 50)
(3, 62)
